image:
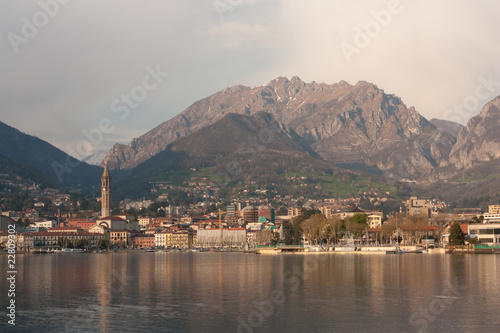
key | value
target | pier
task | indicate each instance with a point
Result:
(276, 249)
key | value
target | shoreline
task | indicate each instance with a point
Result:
(298, 250)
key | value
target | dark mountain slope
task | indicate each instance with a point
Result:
(58, 166)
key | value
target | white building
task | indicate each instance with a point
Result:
(45, 224)
(98, 229)
(144, 221)
(119, 222)
(163, 239)
(486, 233)
(374, 221)
(255, 226)
(494, 209)
(230, 237)
(293, 211)
(172, 210)
(491, 217)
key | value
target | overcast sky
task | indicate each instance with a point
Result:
(67, 67)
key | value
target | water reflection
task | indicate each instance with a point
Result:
(231, 292)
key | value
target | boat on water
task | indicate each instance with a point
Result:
(69, 251)
(150, 250)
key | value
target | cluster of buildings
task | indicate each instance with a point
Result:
(127, 231)
(235, 228)
(487, 232)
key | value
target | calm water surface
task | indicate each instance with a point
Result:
(236, 292)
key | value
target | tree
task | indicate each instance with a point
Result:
(457, 236)
(356, 224)
(103, 244)
(312, 228)
(63, 242)
(307, 213)
(387, 230)
(160, 213)
(292, 232)
(474, 241)
(331, 229)
(264, 237)
(359, 218)
(282, 211)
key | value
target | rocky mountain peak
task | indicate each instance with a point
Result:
(447, 126)
(479, 141)
(343, 123)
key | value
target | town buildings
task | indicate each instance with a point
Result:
(419, 207)
(254, 224)
(493, 215)
(54, 240)
(142, 241)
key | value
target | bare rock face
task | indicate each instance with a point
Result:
(479, 141)
(447, 126)
(343, 123)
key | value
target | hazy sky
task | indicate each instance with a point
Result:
(113, 69)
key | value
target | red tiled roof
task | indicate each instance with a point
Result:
(419, 228)
(64, 228)
(79, 220)
(112, 217)
(124, 230)
(224, 229)
(46, 233)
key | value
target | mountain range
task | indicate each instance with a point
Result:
(235, 149)
(356, 126)
(37, 160)
(262, 133)
(351, 126)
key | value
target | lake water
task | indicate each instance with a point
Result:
(236, 292)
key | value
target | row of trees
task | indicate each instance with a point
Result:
(81, 243)
(315, 228)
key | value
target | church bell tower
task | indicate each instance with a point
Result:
(105, 192)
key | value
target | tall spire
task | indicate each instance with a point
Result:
(106, 171)
(105, 192)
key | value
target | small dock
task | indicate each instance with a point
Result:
(277, 249)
